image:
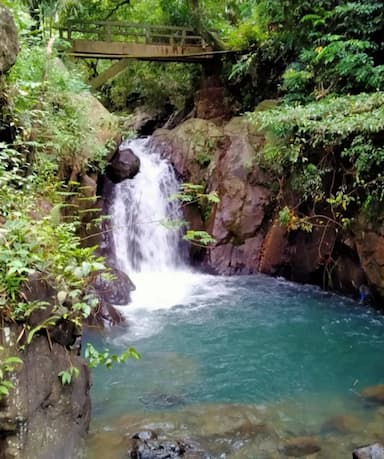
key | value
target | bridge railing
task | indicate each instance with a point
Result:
(134, 33)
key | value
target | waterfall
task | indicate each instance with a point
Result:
(145, 247)
(142, 212)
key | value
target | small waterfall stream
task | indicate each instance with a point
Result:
(142, 208)
(145, 246)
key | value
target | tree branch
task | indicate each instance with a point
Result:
(119, 5)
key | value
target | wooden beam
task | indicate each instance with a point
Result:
(95, 47)
(111, 72)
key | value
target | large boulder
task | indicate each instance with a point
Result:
(238, 221)
(113, 286)
(190, 147)
(124, 165)
(9, 46)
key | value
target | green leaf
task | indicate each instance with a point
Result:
(3, 390)
(13, 360)
(133, 353)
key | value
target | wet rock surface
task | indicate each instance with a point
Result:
(146, 445)
(375, 451)
(105, 315)
(113, 286)
(124, 165)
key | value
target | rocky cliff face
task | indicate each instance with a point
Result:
(42, 418)
(9, 46)
(222, 158)
(245, 224)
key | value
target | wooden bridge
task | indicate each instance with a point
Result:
(123, 41)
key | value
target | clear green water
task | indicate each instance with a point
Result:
(298, 354)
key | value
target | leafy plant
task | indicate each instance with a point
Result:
(7, 366)
(199, 238)
(105, 358)
(191, 193)
(66, 376)
(330, 153)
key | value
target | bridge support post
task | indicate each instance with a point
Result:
(111, 72)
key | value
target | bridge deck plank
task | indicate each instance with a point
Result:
(116, 50)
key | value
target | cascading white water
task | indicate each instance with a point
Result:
(145, 247)
(142, 212)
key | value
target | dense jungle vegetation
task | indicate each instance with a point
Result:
(321, 62)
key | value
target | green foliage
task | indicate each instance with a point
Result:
(289, 219)
(191, 193)
(39, 246)
(8, 366)
(308, 50)
(329, 121)
(23, 20)
(47, 106)
(199, 238)
(66, 376)
(194, 194)
(330, 151)
(153, 84)
(51, 129)
(105, 358)
(340, 53)
(204, 149)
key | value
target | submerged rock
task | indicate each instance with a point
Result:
(375, 451)
(342, 424)
(145, 445)
(163, 401)
(124, 165)
(374, 394)
(145, 435)
(300, 446)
